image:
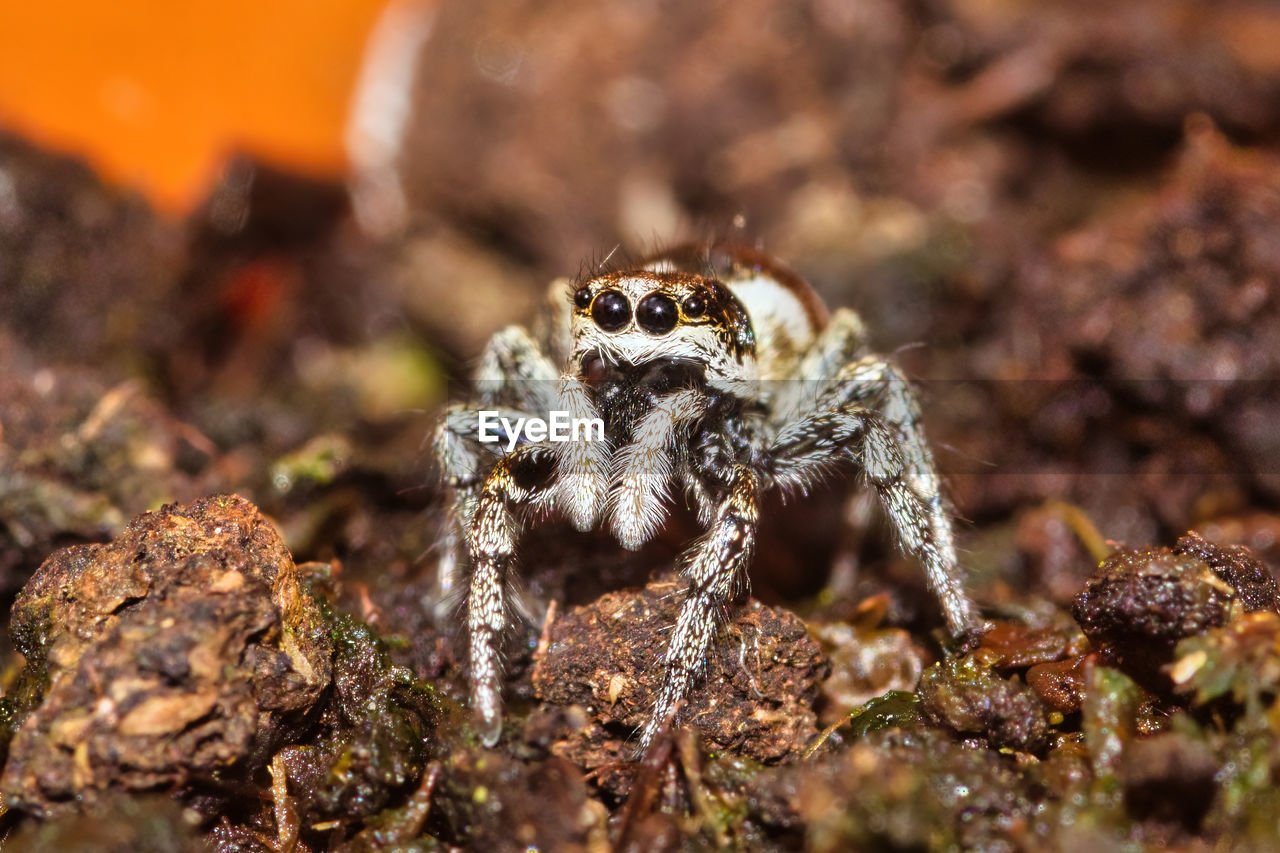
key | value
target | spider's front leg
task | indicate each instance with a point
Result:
(518, 480)
(902, 475)
(513, 377)
(715, 565)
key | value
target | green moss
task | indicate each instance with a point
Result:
(895, 708)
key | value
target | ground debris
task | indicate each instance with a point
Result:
(372, 736)
(866, 662)
(1239, 661)
(757, 698)
(79, 456)
(1154, 318)
(1169, 777)
(1140, 603)
(965, 695)
(914, 790)
(1012, 646)
(116, 823)
(164, 657)
(488, 801)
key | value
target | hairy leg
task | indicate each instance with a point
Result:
(514, 371)
(875, 383)
(803, 451)
(513, 377)
(463, 461)
(715, 565)
(491, 540)
(839, 343)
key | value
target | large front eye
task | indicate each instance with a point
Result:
(657, 314)
(611, 311)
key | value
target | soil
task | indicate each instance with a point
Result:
(220, 529)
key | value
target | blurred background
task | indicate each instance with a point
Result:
(155, 96)
(248, 246)
(254, 247)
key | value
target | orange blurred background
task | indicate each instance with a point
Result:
(155, 94)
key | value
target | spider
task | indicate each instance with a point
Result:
(683, 357)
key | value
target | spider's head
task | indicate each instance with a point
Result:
(643, 316)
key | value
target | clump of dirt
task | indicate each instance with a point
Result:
(1140, 603)
(370, 740)
(186, 654)
(165, 656)
(598, 679)
(969, 698)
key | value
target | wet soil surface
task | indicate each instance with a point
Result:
(220, 531)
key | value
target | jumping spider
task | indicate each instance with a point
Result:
(682, 357)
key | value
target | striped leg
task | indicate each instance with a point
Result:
(803, 451)
(716, 564)
(491, 542)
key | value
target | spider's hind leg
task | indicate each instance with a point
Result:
(514, 371)
(877, 384)
(816, 369)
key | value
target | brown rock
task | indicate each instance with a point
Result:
(164, 655)
(1140, 603)
(970, 698)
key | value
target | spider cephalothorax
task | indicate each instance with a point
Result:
(715, 373)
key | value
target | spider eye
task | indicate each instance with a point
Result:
(582, 297)
(694, 306)
(657, 314)
(611, 311)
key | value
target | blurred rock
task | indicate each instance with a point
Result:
(79, 456)
(565, 130)
(169, 655)
(1135, 357)
(489, 801)
(1170, 777)
(117, 824)
(1140, 603)
(70, 246)
(969, 698)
